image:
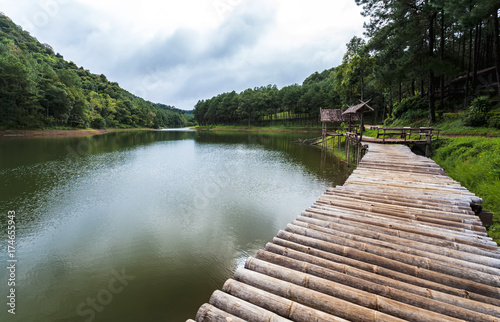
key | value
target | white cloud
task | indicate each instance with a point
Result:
(177, 52)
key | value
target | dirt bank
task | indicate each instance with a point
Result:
(49, 133)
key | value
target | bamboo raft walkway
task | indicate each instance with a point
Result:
(397, 242)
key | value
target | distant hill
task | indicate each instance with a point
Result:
(39, 89)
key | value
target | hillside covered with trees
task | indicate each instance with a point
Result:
(39, 89)
(421, 59)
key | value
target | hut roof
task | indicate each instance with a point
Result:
(335, 116)
(360, 108)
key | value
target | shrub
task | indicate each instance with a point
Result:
(413, 115)
(474, 119)
(494, 121)
(452, 116)
(480, 105)
(413, 103)
(98, 123)
(478, 112)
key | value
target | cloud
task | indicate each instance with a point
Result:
(177, 53)
(192, 48)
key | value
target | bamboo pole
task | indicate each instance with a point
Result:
(443, 276)
(403, 224)
(351, 275)
(411, 194)
(243, 309)
(393, 230)
(405, 208)
(394, 270)
(407, 223)
(311, 298)
(209, 313)
(419, 218)
(409, 202)
(279, 305)
(436, 262)
(385, 299)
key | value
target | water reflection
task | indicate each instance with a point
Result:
(175, 210)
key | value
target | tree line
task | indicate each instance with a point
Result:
(424, 57)
(39, 89)
(435, 48)
(252, 105)
(332, 88)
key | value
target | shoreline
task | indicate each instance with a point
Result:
(54, 133)
(258, 129)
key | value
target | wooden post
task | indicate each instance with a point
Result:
(361, 127)
(428, 145)
(348, 145)
(359, 151)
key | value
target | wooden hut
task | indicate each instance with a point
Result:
(358, 111)
(334, 116)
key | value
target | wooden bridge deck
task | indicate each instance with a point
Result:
(368, 139)
(398, 241)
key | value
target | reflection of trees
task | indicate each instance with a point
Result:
(308, 157)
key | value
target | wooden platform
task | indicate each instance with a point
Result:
(398, 241)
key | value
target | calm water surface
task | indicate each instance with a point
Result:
(144, 226)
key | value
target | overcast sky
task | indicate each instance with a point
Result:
(178, 52)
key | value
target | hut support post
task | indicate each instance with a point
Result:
(348, 147)
(428, 145)
(361, 127)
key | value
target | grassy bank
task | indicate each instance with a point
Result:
(332, 146)
(475, 163)
(451, 127)
(255, 128)
(63, 132)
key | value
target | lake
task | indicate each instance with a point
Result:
(145, 225)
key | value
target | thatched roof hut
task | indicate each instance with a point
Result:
(335, 116)
(358, 109)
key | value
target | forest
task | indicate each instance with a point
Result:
(418, 59)
(39, 89)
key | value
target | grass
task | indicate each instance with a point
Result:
(450, 127)
(333, 147)
(266, 128)
(286, 116)
(475, 163)
(455, 127)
